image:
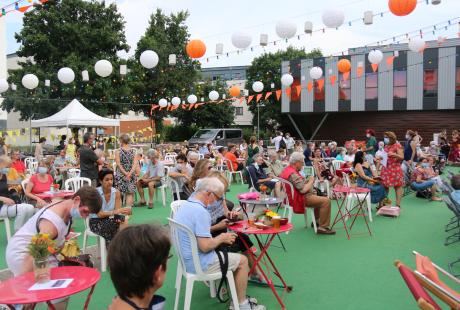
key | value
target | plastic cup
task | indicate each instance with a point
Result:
(276, 220)
(251, 221)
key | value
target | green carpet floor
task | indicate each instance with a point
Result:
(326, 272)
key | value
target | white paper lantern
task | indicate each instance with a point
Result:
(103, 68)
(287, 79)
(172, 59)
(163, 103)
(375, 57)
(333, 18)
(192, 99)
(3, 85)
(219, 48)
(175, 101)
(241, 40)
(263, 39)
(416, 45)
(316, 73)
(258, 86)
(66, 75)
(149, 59)
(285, 29)
(368, 18)
(308, 27)
(47, 83)
(13, 86)
(213, 95)
(123, 69)
(30, 81)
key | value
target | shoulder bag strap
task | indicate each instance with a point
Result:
(222, 254)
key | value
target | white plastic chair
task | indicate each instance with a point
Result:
(73, 173)
(289, 188)
(28, 160)
(74, 184)
(174, 186)
(309, 171)
(32, 167)
(175, 205)
(7, 227)
(190, 278)
(171, 158)
(164, 186)
(357, 196)
(231, 172)
(337, 164)
(200, 156)
(100, 244)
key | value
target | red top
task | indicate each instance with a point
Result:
(40, 187)
(242, 227)
(19, 166)
(231, 157)
(298, 204)
(16, 290)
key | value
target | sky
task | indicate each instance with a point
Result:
(214, 21)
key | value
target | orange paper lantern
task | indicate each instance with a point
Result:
(234, 91)
(402, 7)
(344, 65)
(195, 49)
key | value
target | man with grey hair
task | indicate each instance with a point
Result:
(152, 178)
(195, 216)
(274, 165)
(304, 196)
(192, 158)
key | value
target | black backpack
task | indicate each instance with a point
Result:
(282, 144)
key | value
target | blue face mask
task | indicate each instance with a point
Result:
(425, 165)
(4, 170)
(42, 170)
(75, 213)
(386, 140)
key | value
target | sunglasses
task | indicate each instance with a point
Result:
(218, 199)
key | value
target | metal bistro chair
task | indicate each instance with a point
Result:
(179, 229)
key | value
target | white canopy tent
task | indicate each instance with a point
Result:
(75, 115)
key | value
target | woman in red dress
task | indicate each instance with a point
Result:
(454, 151)
(392, 175)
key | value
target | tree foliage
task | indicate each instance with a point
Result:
(75, 34)
(267, 69)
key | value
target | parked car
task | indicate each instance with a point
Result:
(223, 136)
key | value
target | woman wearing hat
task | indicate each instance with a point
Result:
(392, 175)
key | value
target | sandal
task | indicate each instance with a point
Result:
(141, 203)
(150, 205)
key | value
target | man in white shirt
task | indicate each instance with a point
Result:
(277, 140)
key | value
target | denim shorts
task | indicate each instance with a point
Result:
(423, 185)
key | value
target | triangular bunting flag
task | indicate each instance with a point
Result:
(390, 60)
(288, 92)
(268, 94)
(374, 67)
(191, 106)
(320, 84)
(346, 75)
(298, 89)
(242, 99)
(24, 8)
(359, 71)
(278, 94)
(309, 86)
(332, 79)
(250, 99)
(258, 97)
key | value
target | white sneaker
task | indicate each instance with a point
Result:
(251, 304)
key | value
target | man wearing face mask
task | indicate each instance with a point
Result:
(420, 179)
(54, 220)
(10, 206)
(181, 173)
(39, 183)
(192, 158)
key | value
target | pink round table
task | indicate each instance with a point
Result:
(16, 290)
(52, 195)
(264, 258)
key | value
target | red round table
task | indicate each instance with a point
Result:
(343, 213)
(242, 227)
(16, 290)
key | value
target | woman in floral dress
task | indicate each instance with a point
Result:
(125, 175)
(392, 175)
(454, 150)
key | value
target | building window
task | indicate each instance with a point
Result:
(238, 111)
(400, 84)
(344, 88)
(457, 82)
(430, 83)
(371, 86)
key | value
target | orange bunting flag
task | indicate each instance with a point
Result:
(298, 89)
(268, 94)
(320, 84)
(346, 75)
(390, 60)
(374, 67)
(359, 71)
(258, 97)
(198, 105)
(191, 106)
(24, 8)
(332, 79)
(288, 92)
(173, 108)
(154, 107)
(250, 99)
(278, 94)
(184, 106)
(309, 86)
(43, 1)
(242, 99)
